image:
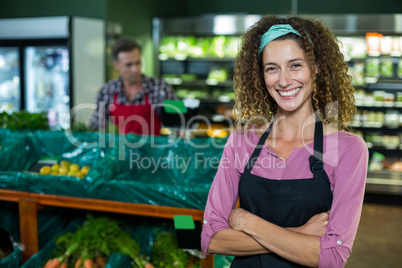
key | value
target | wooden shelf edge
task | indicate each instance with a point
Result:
(12, 195)
(101, 205)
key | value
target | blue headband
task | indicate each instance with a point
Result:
(274, 32)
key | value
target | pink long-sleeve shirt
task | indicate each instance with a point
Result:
(345, 162)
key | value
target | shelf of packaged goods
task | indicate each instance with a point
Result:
(390, 85)
(352, 60)
(371, 146)
(199, 83)
(374, 125)
(209, 59)
(379, 105)
(384, 182)
(29, 203)
(224, 100)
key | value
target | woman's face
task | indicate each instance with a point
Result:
(287, 75)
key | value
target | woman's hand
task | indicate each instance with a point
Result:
(316, 225)
(238, 217)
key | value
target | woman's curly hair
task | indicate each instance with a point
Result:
(332, 96)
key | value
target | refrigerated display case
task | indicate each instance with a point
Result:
(183, 58)
(52, 64)
(9, 79)
(47, 82)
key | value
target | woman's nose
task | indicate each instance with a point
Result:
(284, 79)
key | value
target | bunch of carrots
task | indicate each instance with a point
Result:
(91, 245)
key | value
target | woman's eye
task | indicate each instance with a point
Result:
(269, 69)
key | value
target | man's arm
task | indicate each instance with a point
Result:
(99, 119)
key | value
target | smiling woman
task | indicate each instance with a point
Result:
(318, 51)
(287, 75)
(293, 100)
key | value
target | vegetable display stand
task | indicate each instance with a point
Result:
(129, 174)
(30, 202)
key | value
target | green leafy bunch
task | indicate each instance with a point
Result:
(24, 120)
(166, 252)
(98, 237)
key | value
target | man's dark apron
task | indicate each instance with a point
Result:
(287, 203)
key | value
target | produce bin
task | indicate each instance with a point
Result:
(142, 230)
(38, 260)
(132, 168)
(51, 220)
(14, 260)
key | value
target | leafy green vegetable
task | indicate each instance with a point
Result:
(167, 254)
(98, 237)
(24, 120)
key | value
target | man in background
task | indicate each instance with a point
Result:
(133, 101)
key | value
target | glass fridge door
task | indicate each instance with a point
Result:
(10, 92)
(47, 83)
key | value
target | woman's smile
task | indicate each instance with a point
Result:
(289, 94)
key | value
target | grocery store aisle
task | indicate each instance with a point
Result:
(378, 242)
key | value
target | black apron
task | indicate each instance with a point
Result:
(287, 203)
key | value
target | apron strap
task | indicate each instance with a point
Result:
(316, 160)
(257, 150)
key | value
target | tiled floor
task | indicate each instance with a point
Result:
(378, 242)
